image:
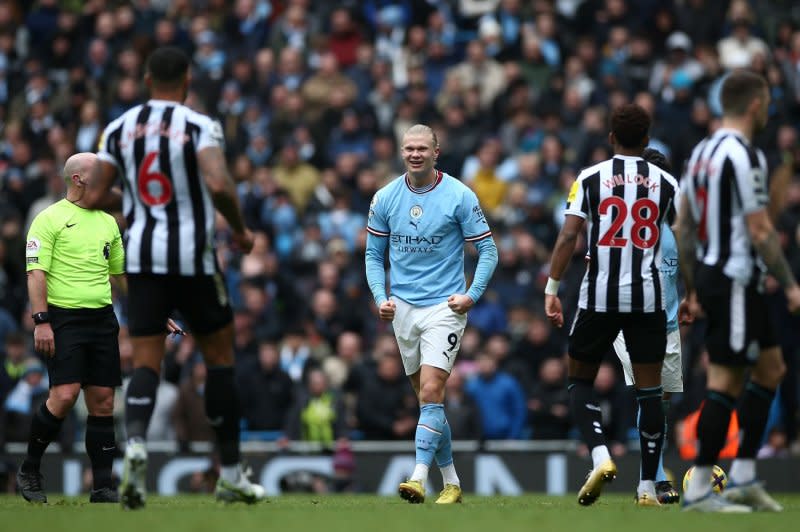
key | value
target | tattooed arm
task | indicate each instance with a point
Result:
(214, 169)
(778, 186)
(766, 241)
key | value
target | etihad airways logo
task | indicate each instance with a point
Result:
(416, 239)
(415, 243)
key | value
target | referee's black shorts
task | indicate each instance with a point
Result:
(202, 301)
(739, 320)
(87, 347)
(593, 334)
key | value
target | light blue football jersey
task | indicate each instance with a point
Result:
(426, 230)
(669, 272)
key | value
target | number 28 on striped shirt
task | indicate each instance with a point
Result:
(644, 232)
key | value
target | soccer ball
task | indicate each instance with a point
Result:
(260, 493)
(718, 479)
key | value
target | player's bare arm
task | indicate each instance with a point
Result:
(565, 245)
(215, 173)
(779, 184)
(689, 307)
(562, 252)
(767, 243)
(686, 235)
(687, 310)
(100, 192)
(214, 169)
(119, 283)
(43, 338)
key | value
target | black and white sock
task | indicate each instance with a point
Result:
(712, 430)
(753, 414)
(223, 411)
(587, 416)
(140, 400)
(712, 426)
(651, 429)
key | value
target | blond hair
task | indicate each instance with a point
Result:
(422, 129)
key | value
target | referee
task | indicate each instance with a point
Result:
(70, 253)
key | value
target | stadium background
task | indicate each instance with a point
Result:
(313, 97)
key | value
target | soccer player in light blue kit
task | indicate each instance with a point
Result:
(424, 217)
(672, 370)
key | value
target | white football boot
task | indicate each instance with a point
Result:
(132, 486)
(242, 490)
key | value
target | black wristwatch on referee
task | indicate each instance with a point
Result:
(40, 318)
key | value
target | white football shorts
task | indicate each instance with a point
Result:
(671, 372)
(427, 335)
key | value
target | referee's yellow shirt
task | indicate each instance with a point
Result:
(78, 248)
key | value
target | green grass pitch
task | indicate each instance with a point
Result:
(332, 513)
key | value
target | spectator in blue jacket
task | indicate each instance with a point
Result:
(500, 400)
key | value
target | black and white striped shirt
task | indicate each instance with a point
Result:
(624, 200)
(726, 179)
(168, 209)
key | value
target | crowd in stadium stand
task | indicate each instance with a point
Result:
(313, 98)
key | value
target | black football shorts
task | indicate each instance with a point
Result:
(86, 347)
(593, 333)
(201, 300)
(739, 320)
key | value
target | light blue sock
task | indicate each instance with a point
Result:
(660, 474)
(444, 455)
(430, 427)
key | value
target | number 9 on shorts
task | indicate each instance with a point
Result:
(428, 335)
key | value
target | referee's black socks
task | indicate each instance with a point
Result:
(101, 448)
(44, 429)
(223, 411)
(140, 400)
